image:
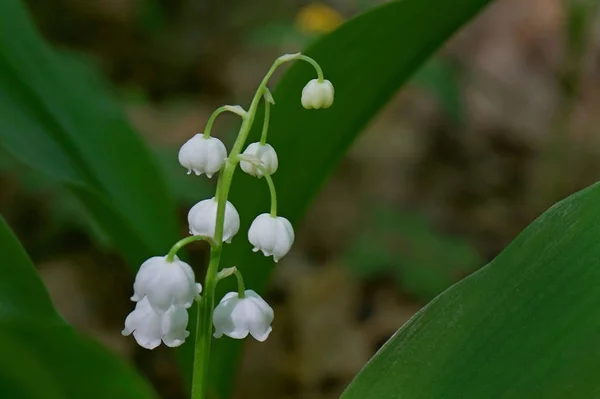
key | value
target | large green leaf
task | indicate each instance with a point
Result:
(524, 326)
(18, 367)
(58, 119)
(367, 59)
(42, 356)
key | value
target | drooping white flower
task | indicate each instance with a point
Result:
(271, 235)
(203, 155)
(237, 317)
(165, 283)
(265, 155)
(149, 327)
(174, 324)
(317, 94)
(202, 219)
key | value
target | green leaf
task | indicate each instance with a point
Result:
(49, 359)
(187, 189)
(524, 326)
(17, 367)
(59, 119)
(367, 59)
(423, 261)
(151, 16)
(440, 78)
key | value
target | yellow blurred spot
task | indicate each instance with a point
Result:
(317, 19)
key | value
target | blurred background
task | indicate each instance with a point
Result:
(486, 136)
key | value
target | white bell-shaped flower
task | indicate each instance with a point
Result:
(165, 283)
(150, 327)
(174, 324)
(203, 155)
(271, 235)
(237, 317)
(317, 94)
(265, 155)
(202, 219)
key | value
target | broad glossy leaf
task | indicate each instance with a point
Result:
(19, 367)
(367, 59)
(49, 359)
(524, 326)
(58, 119)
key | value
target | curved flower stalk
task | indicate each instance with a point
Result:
(165, 286)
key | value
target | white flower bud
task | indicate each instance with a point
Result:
(150, 327)
(202, 219)
(165, 284)
(317, 94)
(237, 317)
(271, 235)
(265, 155)
(203, 155)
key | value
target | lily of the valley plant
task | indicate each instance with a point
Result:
(165, 287)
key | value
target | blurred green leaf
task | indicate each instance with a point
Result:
(367, 59)
(579, 15)
(524, 326)
(64, 210)
(18, 367)
(151, 15)
(440, 78)
(56, 362)
(423, 261)
(282, 33)
(58, 119)
(184, 187)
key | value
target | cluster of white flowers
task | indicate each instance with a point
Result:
(273, 235)
(165, 287)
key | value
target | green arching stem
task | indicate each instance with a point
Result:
(256, 163)
(236, 109)
(183, 242)
(240, 279)
(206, 305)
(314, 63)
(265, 129)
(269, 180)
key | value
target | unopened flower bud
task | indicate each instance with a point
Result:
(237, 317)
(317, 94)
(271, 235)
(202, 219)
(203, 155)
(264, 155)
